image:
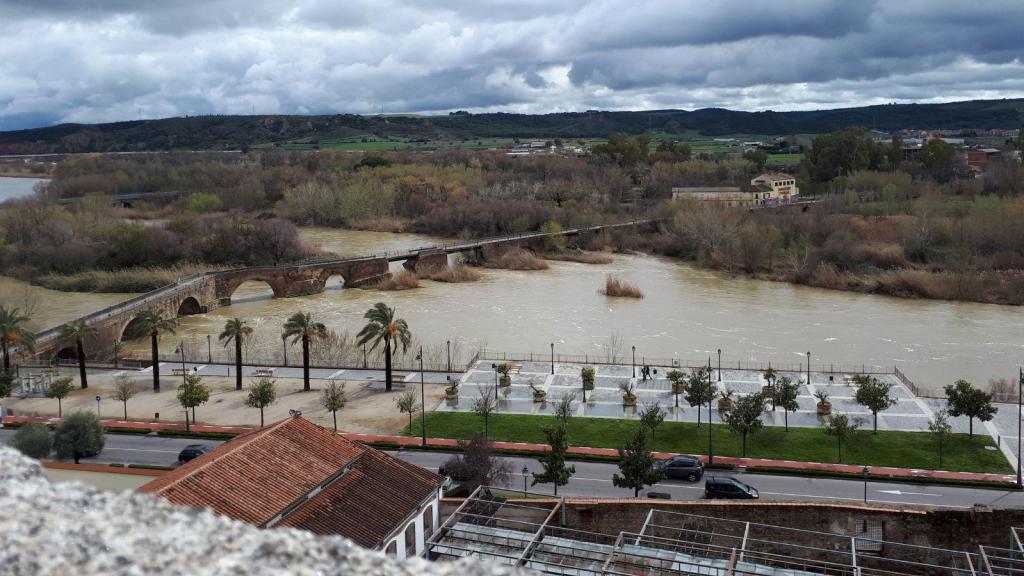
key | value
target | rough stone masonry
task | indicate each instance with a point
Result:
(58, 529)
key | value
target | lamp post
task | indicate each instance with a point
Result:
(284, 348)
(495, 368)
(209, 350)
(449, 344)
(866, 484)
(808, 367)
(97, 406)
(719, 364)
(1020, 397)
(552, 357)
(711, 398)
(526, 471)
(634, 361)
(181, 348)
(423, 399)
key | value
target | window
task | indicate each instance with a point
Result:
(410, 538)
(392, 549)
(428, 521)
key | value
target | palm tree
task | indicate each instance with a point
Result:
(79, 330)
(234, 330)
(152, 323)
(384, 327)
(302, 327)
(13, 332)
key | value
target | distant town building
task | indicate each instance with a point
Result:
(296, 474)
(982, 156)
(780, 186)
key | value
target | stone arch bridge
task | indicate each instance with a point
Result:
(200, 293)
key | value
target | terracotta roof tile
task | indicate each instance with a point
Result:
(367, 504)
(255, 476)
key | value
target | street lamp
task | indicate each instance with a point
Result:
(495, 368)
(808, 367)
(525, 472)
(711, 451)
(866, 484)
(449, 344)
(97, 406)
(634, 361)
(719, 364)
(1020, 415)
(423, 399)
(552, 357)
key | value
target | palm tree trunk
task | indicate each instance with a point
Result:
(387, 364)
(305, 363)
(7, 357)
(156, 361)
(81, 363)
(238, 362)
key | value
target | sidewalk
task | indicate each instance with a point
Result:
(415, 442)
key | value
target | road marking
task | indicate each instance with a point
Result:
(140, 450)
(899, 492)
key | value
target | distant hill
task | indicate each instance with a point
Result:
(235, 132)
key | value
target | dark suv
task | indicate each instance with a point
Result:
(191, 452)
(728, 487)
(687, 468)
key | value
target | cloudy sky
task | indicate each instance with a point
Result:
(105, 60)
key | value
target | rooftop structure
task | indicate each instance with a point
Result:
(296, 474)
(533, 535)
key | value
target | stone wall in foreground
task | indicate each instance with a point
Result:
(49, 529)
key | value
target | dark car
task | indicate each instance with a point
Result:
(688, 468)
(191, 452)
(729, 488)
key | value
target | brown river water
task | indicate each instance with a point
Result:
(687, 313)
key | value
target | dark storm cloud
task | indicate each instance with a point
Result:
(101, 60)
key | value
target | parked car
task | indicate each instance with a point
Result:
(192, 451)
(729, 488)
(688, 468)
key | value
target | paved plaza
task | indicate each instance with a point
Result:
(910, 413)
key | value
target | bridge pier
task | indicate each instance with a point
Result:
(431, 261)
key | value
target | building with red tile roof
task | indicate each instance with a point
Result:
(296, 474)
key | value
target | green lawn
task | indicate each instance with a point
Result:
(898, 449)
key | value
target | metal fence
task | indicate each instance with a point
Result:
(627, 358)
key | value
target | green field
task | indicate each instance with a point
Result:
(897, 449)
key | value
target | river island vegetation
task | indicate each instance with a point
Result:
(922, 228)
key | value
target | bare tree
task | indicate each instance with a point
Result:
(124, 390)
(613, 347)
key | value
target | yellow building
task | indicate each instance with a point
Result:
(778, 185)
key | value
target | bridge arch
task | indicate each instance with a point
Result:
(190, 306)
(132, 330)
(67, 353)
(255, 288)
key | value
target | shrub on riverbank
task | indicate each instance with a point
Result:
(454, 274)
(579, 256)
(887, 448)
(617, 287)
(401, 280)
(118, 281)
(515, 259)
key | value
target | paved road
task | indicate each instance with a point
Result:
(594, 478)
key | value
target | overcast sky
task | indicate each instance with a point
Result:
(106, 60)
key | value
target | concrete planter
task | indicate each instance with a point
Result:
(539, 395)
(451, 393)
(628, 400)
(824, 408)
(588, 385)
(505, 381)
(724, 404)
